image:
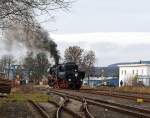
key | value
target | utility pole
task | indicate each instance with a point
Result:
(102, 75)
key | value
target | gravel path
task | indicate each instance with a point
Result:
(100, 112)
(16, 110)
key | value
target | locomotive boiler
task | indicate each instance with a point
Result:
(66, 76)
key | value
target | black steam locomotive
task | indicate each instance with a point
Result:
(66, 76)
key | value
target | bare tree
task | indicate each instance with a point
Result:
(84, 59)
(6, 62)
(20, 16)
(24, 11)
(88, 62)
(74, 54)
(37, 65)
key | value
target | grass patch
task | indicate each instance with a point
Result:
(37, 97)
(23, 94)
(130, 89)
(144, 90)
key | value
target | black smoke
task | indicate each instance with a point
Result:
(35, 39)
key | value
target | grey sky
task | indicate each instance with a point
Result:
(110, 47)
(96, 16)
(103, 16)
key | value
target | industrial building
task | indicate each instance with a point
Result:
(101, 81)
(17, 72)
(127, 73)
(103, 76)
(139, 72)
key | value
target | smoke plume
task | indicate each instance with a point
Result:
(35, 39)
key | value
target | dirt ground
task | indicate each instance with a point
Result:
(15, 109)
(16, 104)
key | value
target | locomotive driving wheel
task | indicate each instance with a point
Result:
(56, 85)
(63, 84)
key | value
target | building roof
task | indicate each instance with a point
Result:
(113, 69)
(128, 63)
(133, 65)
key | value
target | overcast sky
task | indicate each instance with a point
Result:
(109, 47)
(112, 28)
(117, 30)
(87, 16)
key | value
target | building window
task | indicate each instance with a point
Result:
(122, 72)
(142, 71)
(133, 72)
(125, 72)
(137, 72)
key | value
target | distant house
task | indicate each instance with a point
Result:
(128, 72)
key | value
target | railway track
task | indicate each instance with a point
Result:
(67, 100)
(63, 107)
(86, 110)
(118, 95)
(42, 112)
(108, 90)
(126, 109)
(61, 110)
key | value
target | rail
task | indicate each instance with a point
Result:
(39, 109)
(134, 111)
(84, 105)
(85, 108)
(60, 108)
(76, 115)
(117, 95)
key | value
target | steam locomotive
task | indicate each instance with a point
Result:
(65, 76)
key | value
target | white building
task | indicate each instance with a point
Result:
(128, 71)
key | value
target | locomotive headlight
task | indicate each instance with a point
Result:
(76, 74)
(69, 80)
